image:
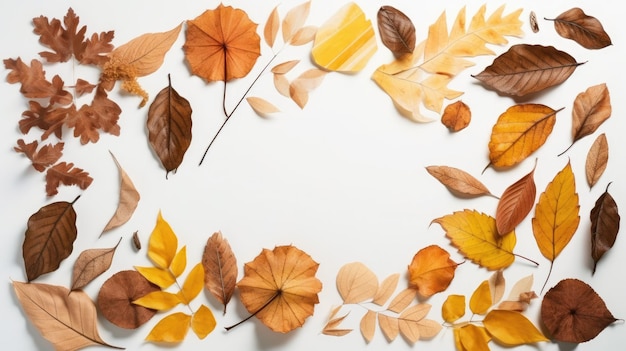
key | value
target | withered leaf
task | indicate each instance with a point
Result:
(90, 264)
(356, 283)
(368, 325)
(271, 27)
(597, 160)
(604, 226)
(128, 200)
(303, 36)
(389, 325)
(83, 87)
(136, 241)
(332, 326)
(414, 326)
(573, 312)
(525, 69)
(584, 29)
(396, 30)
(294, 20)
(220, 268)
(117, 294)
(305, 83)
(169, 127)
(33, 81)
(515, 203)
(43, 158)
(49, 238)
(456, 116)
(431, 270)
(261, 106)
(67, 320)
(458, 181)
(386, 289)
(66, 174)
(591, 108)
(532, 19)
(402, 300)
(284, 67)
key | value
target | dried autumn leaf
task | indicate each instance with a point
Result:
(83, 87)
(158, 300)
(496, 286)
(222, 44)
(203, 322)
(396, 30)
(66, 174)
(389, 325)
(102, 114)
(386, 289)
(573, 312)
(368, 325)
(591, 108)
(303, 36)
(604, 226)
(116, 296)
(331, 327)
(512, 328)
(597, 160)
(356, 283)
(33, 81)
(532, 19)
(172, 328)
(556, 216)
(67, 320)
(90, 264)
(586, 30)
(481, 299)
(169, 127)
(279, 287)
(281, 83)
(402, 300)
(162, 244)
(472, 338)
(128, 200)
(414, 326)
(285, 67)
(453, 308)
(49, 238)
(305, 83)
(525, 69)
(294, 20)
(271, 27)
(431, 270)
(193, 284)
(456, 116)
(458, 181)
(346, 41)
(220, 268)
(520, 131)
(476, 237)
(47, 155)
(515, 203)
(163, 278)
(261, 106)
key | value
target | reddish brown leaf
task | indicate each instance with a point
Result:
(33, 81)
(456, 116)
(66, 174)
(516, 202)
(532, 19)
(83, 87)
(397, 32)
(584, 29)
(90, 264)
(527, 69)
(49, 119)
(102, 114)
(220, 268)
(597, 160)
(42, 159)
(604, 226)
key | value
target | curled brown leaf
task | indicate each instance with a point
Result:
(605, 220)
(586, 30)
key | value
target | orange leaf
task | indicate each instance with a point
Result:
(456, 116)
(261, 106)
(172, 328)
(356, 283)
(431, 270)
(515, 203)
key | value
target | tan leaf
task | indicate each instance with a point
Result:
(597, 160)
(458, 181)
(368, 325)
(591, 108)
(281, 83)
(331, 327)
(386, 289)
(356, 283)
(220, 268)
(309, 80)
(584, 29)
(128, 199)
(515, 203)
(261, 106)
(285, 67)
(298, 95)
(304, 35)
(456, 116)
(389, 326)
(496, 286)
(402, 300)
(271, 27)
(90, 264)
(294, 20)
(413, 326)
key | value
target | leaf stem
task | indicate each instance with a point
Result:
(527, 259)
(547, 278)
(277, 294)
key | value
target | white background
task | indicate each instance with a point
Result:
(344, 179)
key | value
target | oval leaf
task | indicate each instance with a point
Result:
(285, 67)
(386, 289)
(431, 270)
(591, 108)
(512, 328)
(453, 308)
(220, 268)
(584, 29)
(159, 276)
(90, 264)
(396, 30)
(128, 200)
(271, 27)
(203, 322)
(389, 325)
(481, 299)
(356, 283)
(458, 181)
(368, 325)
(402, 300)
(597, 160)
(456, 116)
(261, 106)
(159, 300)
(413, 326)
(515, 203)
(193, 284)
(173, 328)
(294, 20)
(604, 226)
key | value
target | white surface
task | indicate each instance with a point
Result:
(343, 179)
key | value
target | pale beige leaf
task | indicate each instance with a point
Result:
(261, 106)
(458, 181)
(389, 326)
(597, 160)
(90, 264)
(413, 326)
(299, 96)
(331, 327)
(521, 286)
(309, 80)
(304, 35)
(271, 27)
(386, 289)
(281, 83)
(356, 283)
(128, 200)
(402, 300)
(496, 286)
(285, 67)
(294, 20)
(368, 325)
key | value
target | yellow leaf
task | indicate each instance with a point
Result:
(512, 328)
(453, 308)
(556, 215)
(346, 41)
(413, 326)
(386, 289)
(476, 236)
(294, 20)
(519, 132)
(172, 328)
(158, 300)
(163, 244)
(193, 284)
(368, 325)
(161, 277)
(203, 322)
(179, 263)
(356, 283)
(261, 106)
(389, 326)
(473, 338)
(481, 298)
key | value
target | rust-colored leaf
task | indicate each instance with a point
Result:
(458, 181)
(597, 160)
(604, 226)
(169, 127)
(49, 238)
(90, 264)
(396, 30)
(220, 268)
(66, 174)
(456, 116)
(128, 200)
(515, 203)
(586, 30)
(591, 108)
(431, 270)
(356, 283)
(525, 69)
(43, 158)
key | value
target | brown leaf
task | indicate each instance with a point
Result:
(573, 312)
(48, 118)
(458, 181)
(271, 27)
(128, 200)
(67, 320)
(532, 19)
(46, 156)
(525, 69)
(169, 127)
(90, 264)
(597, 160)
(136, 241)
(116, 296)
(49, 238)
(220, 268)
(396, 30)
(584, 29)
(102, 114)
(515, 203)
(356, 283)
(66, 174)
(33, 82)
(604, 226)
(431, 270)
(591, 108)
(456, 116)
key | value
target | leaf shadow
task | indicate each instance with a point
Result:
(37, 339)
(566, 346)
(528, 98)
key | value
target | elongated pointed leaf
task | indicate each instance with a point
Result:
(271, 27)
(294, 20)
(193, 284)
(591, 108)
(90, 264)
(512, 328)
(163, 244)
(481, 299)
(515, 203)
(386, 289)
(128, 200)
(458, 181)
(396, 30)
(586, 30)
(604, 226)
(597, 160)
(368, 325)
(220, 268)
(171, 329)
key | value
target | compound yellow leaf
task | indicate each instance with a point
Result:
(481, 298)
(512, 328)
(162, 244)
(453, 308)
(179, 263)
(173, 328)
(193, 284)
(203, 322)
(159, 276)
(158, 300)
(473, 338)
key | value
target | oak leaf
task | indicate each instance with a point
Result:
(220, 268)
(520, 131)
(101, 114)
(515, 203)
(172, 328)
(456, 116)
(431, 270)
(34, 84)
(67, 320)
(222, 44)
(356, 283)
(591, 108)
(280, 288)
(512, 328)
(396, 30)
(90, 264)
(128, 199)
(556, 216)
(605, 220)
(597, 160)
(43, 158)
(573, 312)
(586, 30)
(458, 181)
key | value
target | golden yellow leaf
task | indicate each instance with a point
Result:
(128, 200)
(402, 300)
(368, 325)
(473, 338)
(158, 300)
(159, 276)
(476, 237)
(556, 216)
(414, 326)
(179, 263)
(162, 244)
(519, 132)
(356, 283)
(172, 328)
(389, 326)
(512, 328)
(480, 301)
(261, 106)
(386, 289)
(271, 27)
(294, 20)
(346, 41)
(193, 284)
(431, 270)
(453, 308)
(203, 322)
